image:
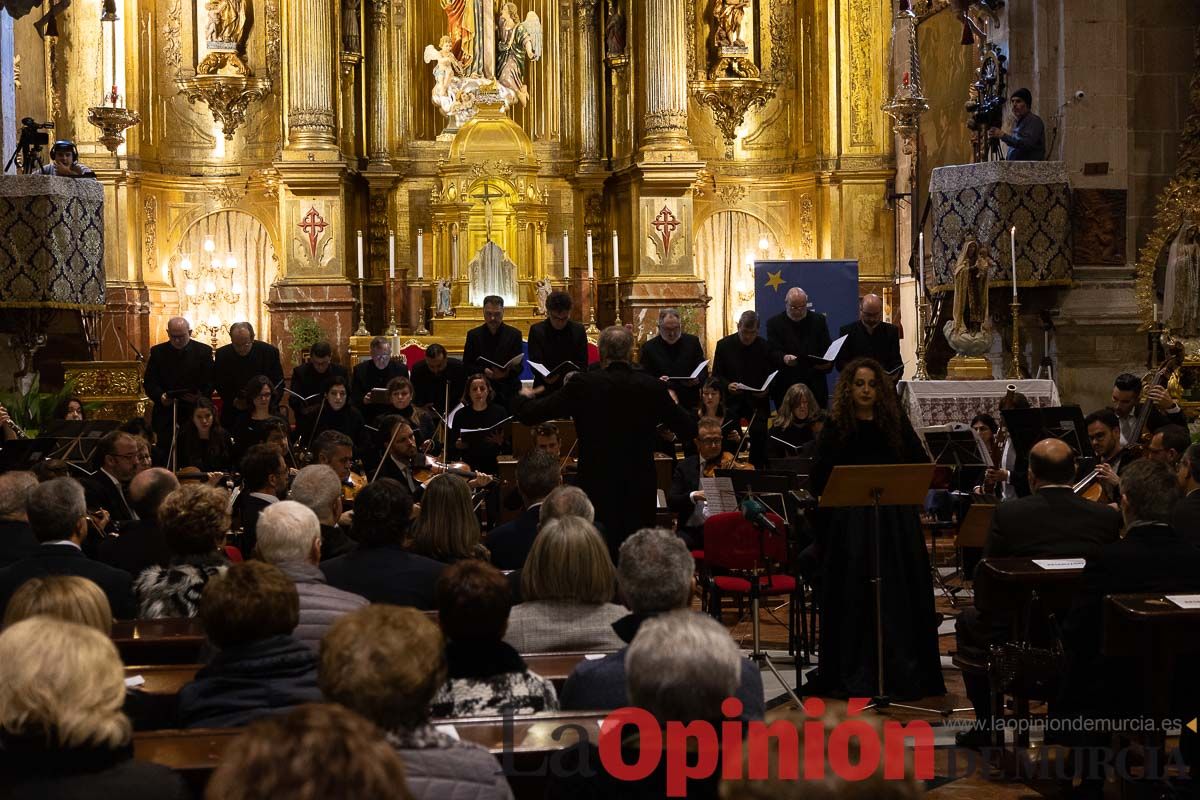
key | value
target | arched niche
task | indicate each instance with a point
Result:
(722, 244)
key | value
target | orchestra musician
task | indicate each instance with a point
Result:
(743, 360)
(177, 372)
(499, 343)
(1104, 431)
(375, 373)
(336, 451)
(239, 361)
(713, 404)
(401, 458)
(557, 339)
(798, 422)
(685, 498)
(116, 462)
(1168, 444)
(1127, 388)
(423, 423)
(250, 425)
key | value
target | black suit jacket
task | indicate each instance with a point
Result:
(676, 361)
(501, 347)
(63, 559)
(232, 372)
(882, 344)
(430, 389)
(250, 507)
(511, 542)
(306, 382)
(138, 545)
(386, 574)
(1051, 523)
(550, 348)
(616, 412)
(100, 492)
(16, 541)
(1185, 519)
(808, 337)
(367, 377)
(169, 369)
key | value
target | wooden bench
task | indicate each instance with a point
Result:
(159, 641)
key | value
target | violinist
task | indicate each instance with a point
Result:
(798, 422)
(203, 443)
(1168, 444)
(1104, 431)
(338, 415)
(685, 497)
(547, 438)
(401, 458)
(335, 450)
(1127, 388)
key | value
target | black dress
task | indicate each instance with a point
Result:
(349, 420)
(912, 663)
(480, 453)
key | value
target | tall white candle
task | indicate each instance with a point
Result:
(1154, 307)
(921, 264)
(454, 255)
(360, 256)
(1012, 240)
(566, 257)
(616, 262)
(420, 253)
(392, 255)
(589, 253)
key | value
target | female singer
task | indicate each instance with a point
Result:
(400, 395)
(447, 529)
(250, 426)
(712, 404)
(203, 443)
(798, 423)
(338, 414)
(866, 426)
(479, 410)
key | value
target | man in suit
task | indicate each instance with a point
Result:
(1185, 519)
(742, 360)
(433, 375)
(141, 542)
(265, 480)
(16, 537)
(381, 569)
(1127, 388)
(537, 476)
(685, 498)
(870, 337)
(675, 354)
(178, 371)
(58, 516)
(239, 361)
(556, 339)
(317, 487)
(116, 462)
(794, 336)
(498, 343)
(312, 378)
(375, 373)
(1168, 444)
(616, 447)
(1050, 523)
(1104, 431)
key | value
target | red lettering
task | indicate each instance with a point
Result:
(869, 748)
(678, 768)
(787, 747)
(814, 740)
(731, 739)
(894, 736)
(650, 738)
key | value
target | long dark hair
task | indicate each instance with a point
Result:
(887, 404)
(216, 449)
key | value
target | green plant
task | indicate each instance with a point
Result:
(33, 408)
(689, 319)
(306, 332)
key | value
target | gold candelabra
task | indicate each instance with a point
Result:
(591, 328)
(392, 330)
(1015, 365)
(362, 312)
(616, 301)
(921, 374)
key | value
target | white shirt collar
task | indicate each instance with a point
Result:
(63, 541)
(270, 498)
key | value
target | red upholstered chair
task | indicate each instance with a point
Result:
(413, 352)
(738, 556)
(593, 353)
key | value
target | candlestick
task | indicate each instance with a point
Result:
(362, 311)
(454, 255)
(1012, 234)
(1015, 360)
(589, 254)
(591, 328)
(566, 258)
(420, 254)
(616, 263)
(360, 256)
(392, 255)
(392, 330)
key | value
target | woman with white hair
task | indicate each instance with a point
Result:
(62, 733)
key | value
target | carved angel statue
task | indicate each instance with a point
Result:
(543, 292)
(444, 71)
(226, 20)
(728, 18)
(443, 307)
(517, 43)
(969, 331)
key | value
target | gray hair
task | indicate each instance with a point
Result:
(1150, 489)
(14, 493)
(654, 571)
(681, 666)
(566, 501)
(616, 344)
(55, 508)
(286, 532)
(380, 341)
(317, 487)
(663, 313)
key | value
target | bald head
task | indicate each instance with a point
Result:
(796, 304)
(1051, 463)
(149, 488)
(870, 311)
(179, 332)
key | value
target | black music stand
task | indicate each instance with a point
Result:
(960, 449)
(25, 454)
(77, 439)
(1028, 426)
(876, 486)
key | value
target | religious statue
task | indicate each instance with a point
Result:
(543, 292)
(969, 331)
(226, 21)
(1181, 283)
(444, 71)
(351, 40)
(728, 18)
(517, 43)
(464, 20)
(614, 31)
(443, 307)
(491, 272)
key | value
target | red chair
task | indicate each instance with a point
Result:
(747, 563)
(413, 352)
(593, 354)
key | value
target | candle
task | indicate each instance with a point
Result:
(589, 253)
(566, 257)
(616, 264)
(454, 255)
(420, 254)
(392, 255)
(1012, 239)
(1154, 309)
(921, 264)
(360, 256)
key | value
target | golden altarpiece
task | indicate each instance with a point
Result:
(703, 134)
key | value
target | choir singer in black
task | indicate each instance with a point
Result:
(178, 371)
(675, 354)
(743, 362)
(490, 349)
(239, 361)
(798, 338)
(871, 337)
(555, 340)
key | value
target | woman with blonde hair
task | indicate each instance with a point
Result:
(66, 597)
(62, 733)
(567, 587)
(798, 422)
(447, 529)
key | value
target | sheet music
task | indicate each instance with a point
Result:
(452, 415)
(835, 347)
(719, 494)
(762, 388)
(1188, 601)
(695, 373)
(1061, 563)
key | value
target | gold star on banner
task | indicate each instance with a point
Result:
(775, 279)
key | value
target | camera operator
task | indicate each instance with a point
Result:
(64, 162)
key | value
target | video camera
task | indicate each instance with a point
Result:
(32, 138)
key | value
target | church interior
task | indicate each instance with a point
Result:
(348, 178)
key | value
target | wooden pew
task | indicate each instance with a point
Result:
(159, 641)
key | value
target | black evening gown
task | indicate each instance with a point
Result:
(912, 663)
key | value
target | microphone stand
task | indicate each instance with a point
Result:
(758, 655)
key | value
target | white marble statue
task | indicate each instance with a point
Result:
(543, 292)
(443, 307)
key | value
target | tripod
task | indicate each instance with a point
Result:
(758, 655)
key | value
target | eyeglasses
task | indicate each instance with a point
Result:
(134, 455)
(711, 440)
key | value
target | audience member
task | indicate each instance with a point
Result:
(265, 481)
(249, 614)
(566, 501)
(62, 733)
(654, 576)
(382, 569)
(566, 589)
(274, 759)
(58, 516)
(66, 597)
(484, 674)
(16, 537)
(447, 529)
(387, 663)
(141, 544)
(193, 522)
(289, 537)
(538, 474)
(1185, 519)
(317, 487)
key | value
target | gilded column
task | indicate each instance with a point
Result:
(311, 76)
(589, 94)
(665, 51)
(377, 87)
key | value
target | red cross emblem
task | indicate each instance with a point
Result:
(314, 225)
(666, 223)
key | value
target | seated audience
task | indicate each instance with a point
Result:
(680, 667)
(50, 469)
(62, 733)
(538, 475)
(249, 614)
(447, 529)
(265, 481)
(387, 663)
(193, 522)
(16, 537)
(566, 588)
(141, 543)
(654, 577)
(273, 758)
(58, 516)
(66, 597)
(485, 675)
(1185, 519)
(382, 569)
(289, 537)
(317, 487)
(566, 501)
(1168, 444)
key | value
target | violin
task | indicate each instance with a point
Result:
(354, 483)
(726, 461)
(432, 467)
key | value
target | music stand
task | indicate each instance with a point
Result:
(1028, 426)
(24, 454)
(960, 449)
(761, 484)
(71, 434)
(878, 485)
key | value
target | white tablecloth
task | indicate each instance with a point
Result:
(942, 402)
